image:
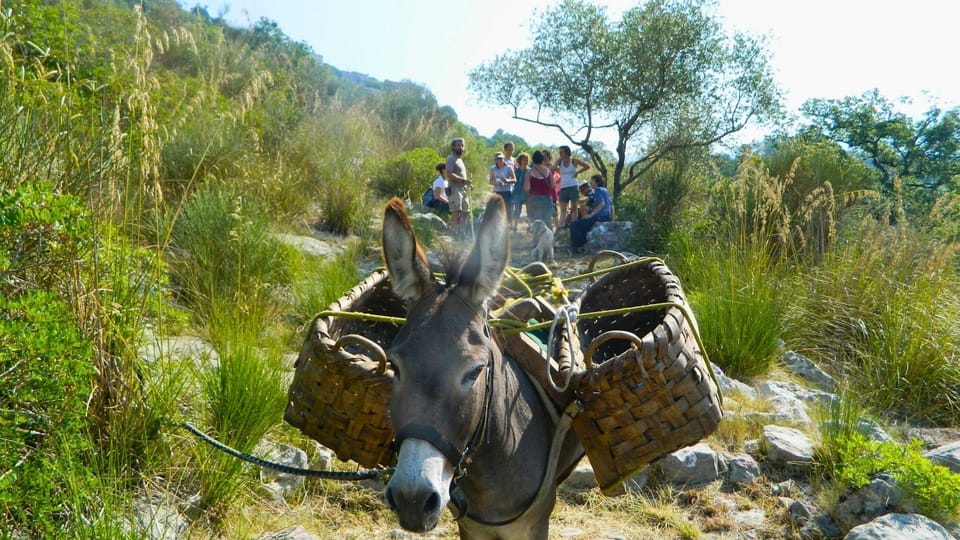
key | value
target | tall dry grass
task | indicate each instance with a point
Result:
(879, 312)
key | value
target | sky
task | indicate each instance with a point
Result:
(820, 48)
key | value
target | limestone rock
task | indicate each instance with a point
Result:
(692, 465)
(947, 455)
(787, 446)
(613, 235)
(899, 526)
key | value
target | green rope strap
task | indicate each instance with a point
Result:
(509, 327)
(602, 271)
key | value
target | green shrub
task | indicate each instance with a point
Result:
(205, 146)
(344, 204)
(224, 257)
(407, 175)
(246, 396)
(658, 205)
(738, 303)
(318, 283)
(47, 377)
(851, 458)
(43, 235)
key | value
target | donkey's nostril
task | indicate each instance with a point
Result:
(388, 495)
(433, 504)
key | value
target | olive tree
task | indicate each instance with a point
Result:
(924, 152)
(663, 79)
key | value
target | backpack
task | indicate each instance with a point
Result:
(427, 198)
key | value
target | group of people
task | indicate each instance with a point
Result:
(550, 190)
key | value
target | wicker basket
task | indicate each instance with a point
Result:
(647, 389)
(341, 387)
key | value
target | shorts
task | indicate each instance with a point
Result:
(507, 197)
(459, 198)
(570, 193)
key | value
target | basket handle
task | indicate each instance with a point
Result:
(602, 254)
(609, 336)
(366, 343)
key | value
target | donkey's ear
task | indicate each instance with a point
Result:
(483, 268)
(407, 265)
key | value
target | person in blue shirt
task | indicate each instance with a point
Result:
(600, 210)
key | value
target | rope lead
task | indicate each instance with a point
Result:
(370, 474)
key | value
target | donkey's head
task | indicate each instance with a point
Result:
(442, 360)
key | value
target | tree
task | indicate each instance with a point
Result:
(663, 79)
(925, 153)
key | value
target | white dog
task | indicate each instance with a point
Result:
(542, 241)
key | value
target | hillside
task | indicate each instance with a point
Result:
(160, 172)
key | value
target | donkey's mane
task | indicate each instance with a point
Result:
(452, 260)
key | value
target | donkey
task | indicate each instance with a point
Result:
(474, 431)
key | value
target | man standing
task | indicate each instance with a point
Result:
(456, 173)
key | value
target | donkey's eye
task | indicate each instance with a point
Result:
(472, 375)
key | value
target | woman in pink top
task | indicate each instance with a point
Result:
(538, 183)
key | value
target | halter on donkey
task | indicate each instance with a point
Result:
(469, 420)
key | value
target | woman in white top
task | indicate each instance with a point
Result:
(440, 190)
(568, 167)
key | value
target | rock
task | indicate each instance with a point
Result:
(156, 518)
(613, 235)
(582, 477)
(800, 512)
(947, 455)
(784, 489)
(787, 447)
(932, 437)
(430, 218)
(790, 402)
(804, 367)
(821, 526)
(281, 485)
(290, 533)
(865, 426)
(899, 526)
(637, 482)
(180, 348)
(324, 459)
(692, 465)
(748, 519)
(401, 534)
(805, 395)
(879, 497)
(728, 385)
(743, 469)
(309, 245)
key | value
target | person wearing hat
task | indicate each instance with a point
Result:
(586, 201)
(519, 195)
(602, 210)
(502, 178)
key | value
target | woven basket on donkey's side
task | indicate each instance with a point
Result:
(648, 389)
(341, 386)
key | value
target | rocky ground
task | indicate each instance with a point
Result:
(757, 488)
